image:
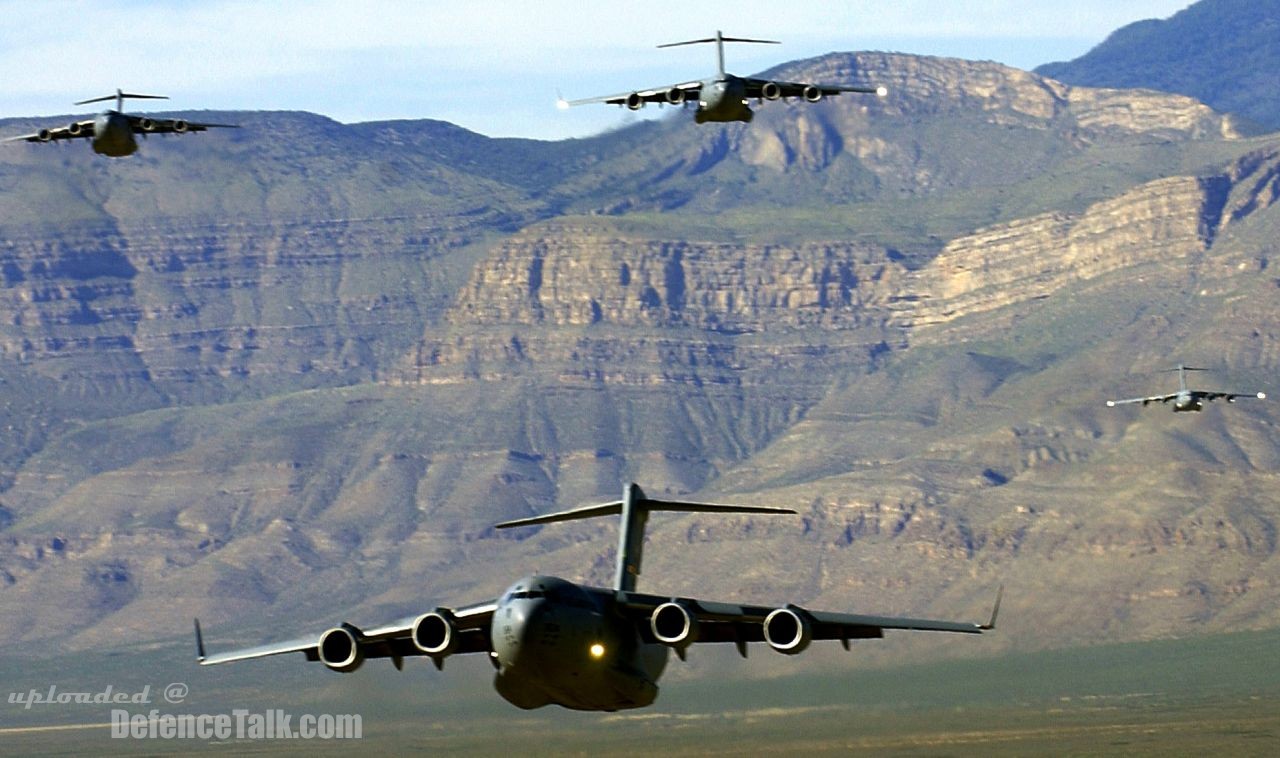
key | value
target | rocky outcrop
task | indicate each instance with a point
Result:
(405, 379)
(173, 305)
(590, 280)
(1169, 222)
(1008, 96)
(558, 275)
(926, 88)
(1032, 258)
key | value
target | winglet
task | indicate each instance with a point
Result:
(995, 611)
(200, 656)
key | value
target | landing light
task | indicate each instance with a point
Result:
(882, 91)
(597, 650)
(1262, 396)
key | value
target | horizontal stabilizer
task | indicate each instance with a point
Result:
(722, 39)
(121, 95)
(672, 505)
(588, 511)
(634, 508)
(614, 508)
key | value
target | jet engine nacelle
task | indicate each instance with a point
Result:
(675, 96)
(180, 126)
(340, 648)
(435, 633)
(146, 125)
(672, 624)
(75, 129)
(634, 101)
(770, 91)
(44, 135)
(788, 630)
(812, 94)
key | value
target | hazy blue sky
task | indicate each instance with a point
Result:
(493, 67)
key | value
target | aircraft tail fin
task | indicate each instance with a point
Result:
(1182, 374)
(720, 39)
(634, 507)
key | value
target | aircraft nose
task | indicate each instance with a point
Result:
(514, 626)
(524, 613)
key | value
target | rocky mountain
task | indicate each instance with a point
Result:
(1222, 52)
(294, 374)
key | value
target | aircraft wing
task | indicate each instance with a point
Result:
(144, 125)
(387, 641)
(689, 91)
(731, 622)
(1230, 397)
(1143, 400)
(755, 88)
(82, 130)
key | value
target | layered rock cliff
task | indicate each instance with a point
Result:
(898, 316)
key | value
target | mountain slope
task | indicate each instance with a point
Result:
(899, 317)
(1222, 52)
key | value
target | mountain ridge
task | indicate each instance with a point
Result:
(1217, 51)
(899, 317)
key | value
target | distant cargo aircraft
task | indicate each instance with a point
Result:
(111, 132)
(723, 97)
(1186, 400)
(588, 648)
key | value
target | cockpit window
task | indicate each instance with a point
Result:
(560, 593)
(527, 594)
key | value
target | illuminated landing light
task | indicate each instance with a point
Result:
(1262, 396)
(562, 104)
(597, 651)
(1111, 403)
(882, 91)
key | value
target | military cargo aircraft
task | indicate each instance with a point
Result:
(587, 648)
(1187, 400)
(111, 132)
(723, 97)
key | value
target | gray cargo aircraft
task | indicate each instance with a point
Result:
(587, 648)
(1186, 400)
(111, 132)
(723, 97)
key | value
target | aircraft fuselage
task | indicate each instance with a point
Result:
(555, 642)
(1186, 402)
(113, 135)
(723, 100)
(587, 648)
